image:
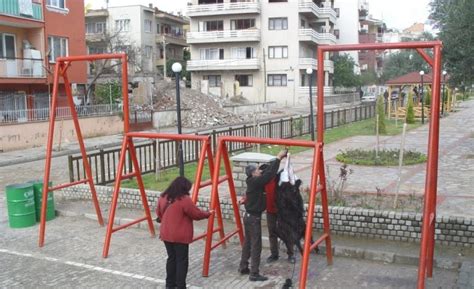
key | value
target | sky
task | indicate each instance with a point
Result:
(398, 14)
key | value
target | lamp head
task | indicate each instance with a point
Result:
(176, 67)
(445, 72)
(309, 70)
(421, 72)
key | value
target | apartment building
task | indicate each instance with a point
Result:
(347, 27)
(32, 34)
(259, 49)
(152, 35)
(371, 31)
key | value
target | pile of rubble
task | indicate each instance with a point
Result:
(201, 110)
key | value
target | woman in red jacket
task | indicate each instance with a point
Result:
(177, 211)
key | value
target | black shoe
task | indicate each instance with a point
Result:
(257, 277)
(245, 271)
(272, 259)
(291, 259)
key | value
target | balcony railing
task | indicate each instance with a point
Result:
(223, 9)
(223, 64)
(223, 36)
(304, 90)
(12, 8)
(177, 39)
(308, 6)
(313, 63)
(308, 34)
(22, 68)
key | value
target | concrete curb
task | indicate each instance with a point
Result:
(337, 250)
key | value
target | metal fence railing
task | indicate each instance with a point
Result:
(164, 152)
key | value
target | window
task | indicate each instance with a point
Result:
(58, 46)
(242, 52)
(214, 80)
(338, 11)
(278, 23)
(148, 26)
(97, 50)
(275, 1)
(122, 25)
(95, 28)
(278, 52)
(239, 24)
(57, 3)
(90, 28)
(7, 46)
(158, 28)
(244, 79)
(302, 23)
(336, 33)
(211, 53)
(216, 25)
(277, 80)
(148, 51)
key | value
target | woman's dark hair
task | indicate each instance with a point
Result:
(179, 187)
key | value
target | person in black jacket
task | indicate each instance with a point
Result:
(255, 204)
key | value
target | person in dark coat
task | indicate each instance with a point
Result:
(255, 205)
(177, 211)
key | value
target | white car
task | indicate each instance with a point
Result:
(368, 98)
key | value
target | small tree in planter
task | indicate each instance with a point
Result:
(381, 115)
(410, 115)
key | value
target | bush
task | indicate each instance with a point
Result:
(410, 115)
(107, 91)
(381, 113)
(385, 157)
(427, 99)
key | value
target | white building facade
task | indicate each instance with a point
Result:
(259, 49)
(347, 27)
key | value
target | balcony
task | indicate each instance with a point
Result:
(95, 37)
(179, 40)
(224, 36)
(312, 10)
(313, 63)
(223, 9)
(22, 68)
(308, 34)
(223, 64)
(12, 8)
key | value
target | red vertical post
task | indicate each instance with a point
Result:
(141, 187)
(197, 178)
(325, 208)
(49, 148)
(126, 113)
(320, 100)
(80, 140)
(233, 196)
(431, 182)
(309, 218)
(113, 204)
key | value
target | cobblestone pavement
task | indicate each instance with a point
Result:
(71, 257)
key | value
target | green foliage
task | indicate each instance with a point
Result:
(410, 115)
(344, 75)
(368, 78)
(454, 19)
(403, 62)
(105, 92)
(298, 125)
(427, 100)
(385, 157)
(381, 113)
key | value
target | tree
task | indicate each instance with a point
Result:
(454, 19)
(410, 116)
(401, 63)
(368, 78)
(108, 93)
(381, 114)
(344, 75)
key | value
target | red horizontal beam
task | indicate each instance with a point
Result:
(205, 234)
(287, 142)
(167, 136)
(67, 185)
(225, 239)
(128, 224)
(318, 241)
(128, 176)
(380, 46)
(209, 182)
(91, 57)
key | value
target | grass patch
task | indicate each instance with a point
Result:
(385, 157)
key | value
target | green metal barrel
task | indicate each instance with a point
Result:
(21, 205)
(38, 189)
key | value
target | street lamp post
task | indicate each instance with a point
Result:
(309, 71)
(444, 92)
(422, 98)
(176, 67)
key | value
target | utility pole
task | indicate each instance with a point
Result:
(164, 55)
(264, 77)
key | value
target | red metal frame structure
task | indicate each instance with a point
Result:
(62, 64)
(127, 144)
(425, 266)
(317, 172)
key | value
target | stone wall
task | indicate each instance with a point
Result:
(357, 222)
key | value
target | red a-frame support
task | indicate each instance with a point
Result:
(60, 70)
(318, 181)
(127, 144)
(425, 266)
